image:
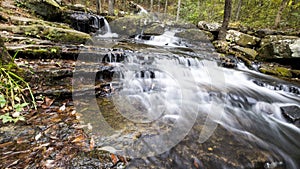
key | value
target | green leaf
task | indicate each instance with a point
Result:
(6, 118)
(2, 101)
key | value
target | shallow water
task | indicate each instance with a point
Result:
(173, 106)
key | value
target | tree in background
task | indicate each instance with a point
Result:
(238, 10)
(279, 13)
(98, 7)
(226, 19)
(178, 10)
(166, 7)
(111, 7)
(151, 6)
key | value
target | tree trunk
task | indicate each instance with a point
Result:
(158, 5)
(238, 10)
(279, 13)
(226, 19)
(98, 6)
(166, 7)
(111, 7)
(151, 6)
(178, 10)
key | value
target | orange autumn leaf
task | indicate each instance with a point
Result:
(78, 139)
(114, 158)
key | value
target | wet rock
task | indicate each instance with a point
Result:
(207, 26)
(275, 70)
(221, 46)
(228, 62)
(127, 26)
(278, 46)
(48, 32)
(154, 29)
(241, 39)
(84, 22)
(249, 53)
(53, 12)
(195, 35)
(291, 113)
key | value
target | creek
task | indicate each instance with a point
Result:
(166, 102)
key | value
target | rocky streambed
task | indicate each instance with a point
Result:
(153, 89)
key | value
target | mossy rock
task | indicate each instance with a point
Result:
(278, 46)
(195, 35)
(247, 52)
(241, 39)
(128, 26)
(276, 70)
(221, 46)
(48, 32)
(48, 9)
(65, 35)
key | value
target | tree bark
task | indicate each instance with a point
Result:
(279, 13)
(178, 10)
(158, 5)
(238, 10)
(111, 7)
(99, 7)
(151, 5)
(226, 19)
(166, 7)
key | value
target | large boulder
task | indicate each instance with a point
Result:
(295, 48)
(207, 26)
(222, 46)
(48, 9)
(279, 46)
(129, 26)
(241, 39)
(54, 34)
(195, 35)
(247, 52)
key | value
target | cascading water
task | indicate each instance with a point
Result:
(105, 31)
(177, 106)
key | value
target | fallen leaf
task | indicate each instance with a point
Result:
(114, 158)
(92, 143)
(47, 102)
(78, 139)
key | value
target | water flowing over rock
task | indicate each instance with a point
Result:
(85, 22)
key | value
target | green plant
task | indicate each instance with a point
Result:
(14, 93)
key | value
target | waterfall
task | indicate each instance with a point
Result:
(106, 26)
(106, 31)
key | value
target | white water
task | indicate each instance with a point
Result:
(184, 87)
(107, 31)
